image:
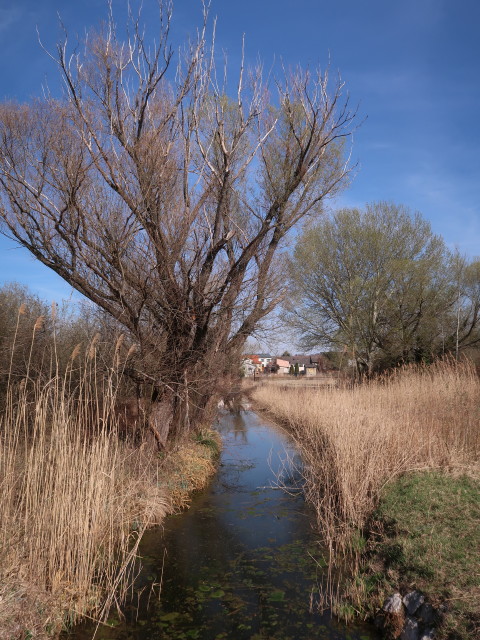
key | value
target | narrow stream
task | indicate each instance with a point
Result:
(241, 563)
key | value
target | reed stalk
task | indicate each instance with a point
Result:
(353, 441)
(75, 500)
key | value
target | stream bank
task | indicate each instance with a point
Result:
(242, 562)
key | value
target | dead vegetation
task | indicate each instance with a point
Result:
(75, 496)
(355, 441)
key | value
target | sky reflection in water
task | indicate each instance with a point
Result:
(242, 562)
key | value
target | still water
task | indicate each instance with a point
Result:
(242, 562)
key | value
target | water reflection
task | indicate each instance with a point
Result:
(239, 428)
(242, 562)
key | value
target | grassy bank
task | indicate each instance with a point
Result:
(425, 534)
(75, 499)
(357, 444)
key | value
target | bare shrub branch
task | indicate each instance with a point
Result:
(165, 201)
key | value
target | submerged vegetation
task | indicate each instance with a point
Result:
(170, 204)
(358, 443)
(77, 491)
(80, 483)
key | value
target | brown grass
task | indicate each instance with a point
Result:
(354, 441)
(75, 500)
(186, 470)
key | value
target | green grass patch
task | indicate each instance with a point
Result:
(425, 534)
(209, 439)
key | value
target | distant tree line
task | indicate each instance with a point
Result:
(380, 288)
(40, 341)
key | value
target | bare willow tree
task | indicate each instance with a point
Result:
(166, 199)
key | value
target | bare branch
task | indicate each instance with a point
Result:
(163, 199)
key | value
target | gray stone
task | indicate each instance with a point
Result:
(394, 616)
(427, 614)
(393, 604)
(410, 630)
(412, 601)
(428, 634)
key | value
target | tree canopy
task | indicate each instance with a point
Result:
(379, 285)
(166, 198)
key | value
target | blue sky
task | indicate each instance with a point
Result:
(413, 67)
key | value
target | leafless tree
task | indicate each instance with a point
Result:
(166, 199)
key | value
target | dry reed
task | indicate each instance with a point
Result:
(354, 441)
(74, 503)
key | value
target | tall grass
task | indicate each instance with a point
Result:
(354, 441)
(74, 499)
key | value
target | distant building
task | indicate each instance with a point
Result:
(261, 361)
(265, 359)
(255, 360)
(308, 365)
(248, 368)
(280, 366)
